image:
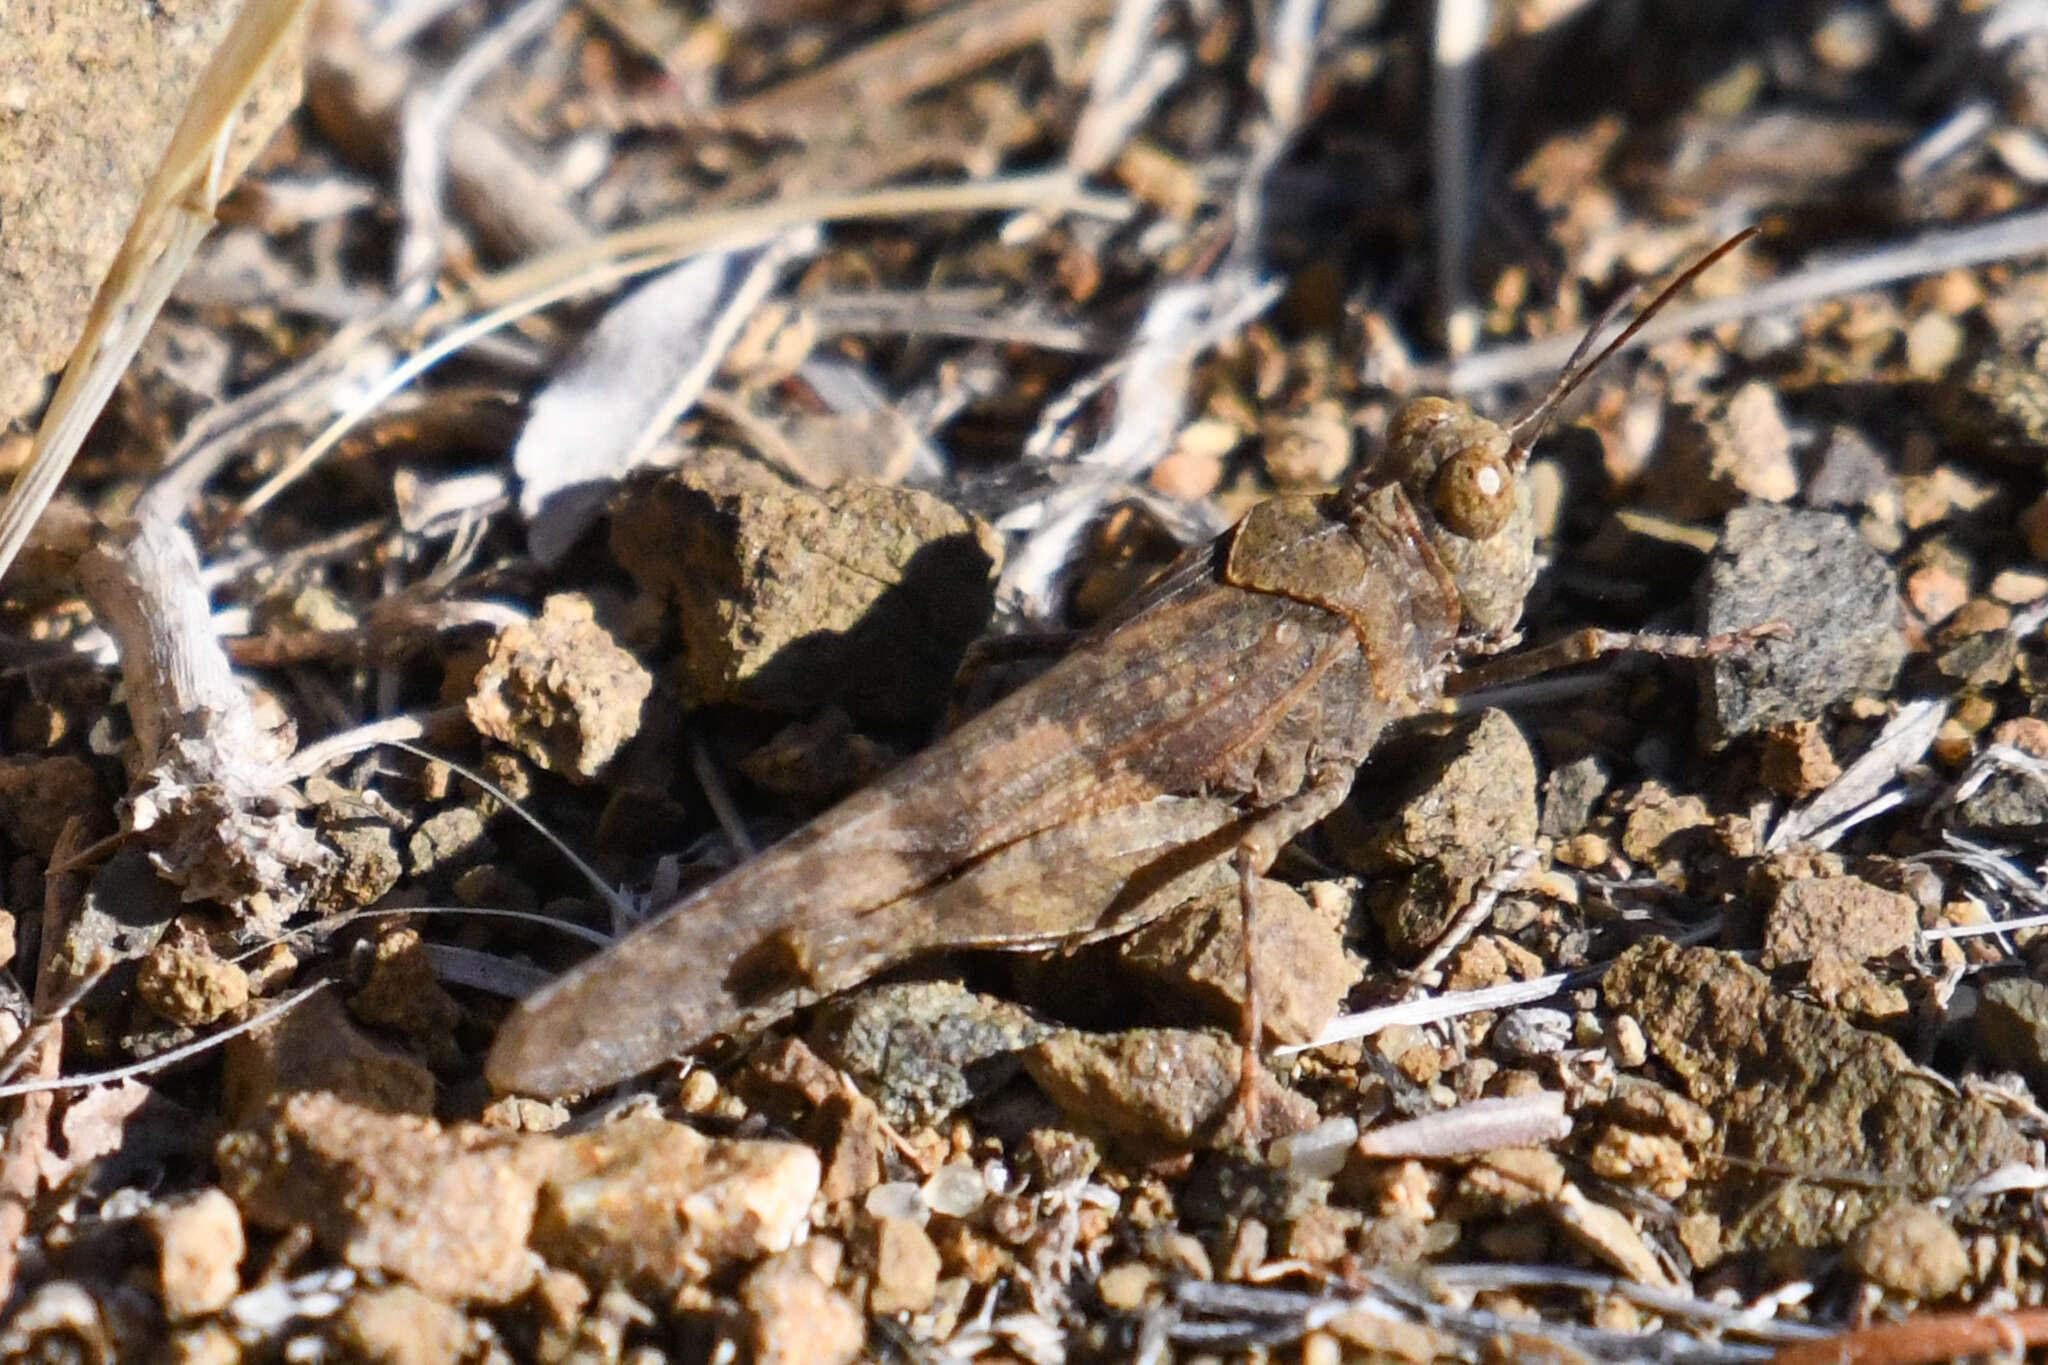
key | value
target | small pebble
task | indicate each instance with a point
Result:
(1126, 1287)
(956, 1190)
(896, 1199)
(1533, 1032)
(1319, 1153)
(1910, 1250)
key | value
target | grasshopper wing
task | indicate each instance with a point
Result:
(1171, 703)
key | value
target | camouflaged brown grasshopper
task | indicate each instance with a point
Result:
(1211, 720)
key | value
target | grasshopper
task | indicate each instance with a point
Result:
(1222, 712)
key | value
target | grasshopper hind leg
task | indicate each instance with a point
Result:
(1259, 845)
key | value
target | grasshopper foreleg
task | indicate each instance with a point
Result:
(1584, 646)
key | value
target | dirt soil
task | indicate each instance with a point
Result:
(854, 357)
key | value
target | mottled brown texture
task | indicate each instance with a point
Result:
(1151, 1086)
(447, 1209)
(1797, 1091)
(560, 690)
(1216, 715)
(660, 1206)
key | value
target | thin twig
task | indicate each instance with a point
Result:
(1431, 1009)
(169, 1057)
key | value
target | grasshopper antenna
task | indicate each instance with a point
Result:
(1525, 430)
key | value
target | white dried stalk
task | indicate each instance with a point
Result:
(428, 121)
(1460, 38)
(211, 798)
(1182, 322)
(1429, 1009)
(1481, 1126)
(585, 267)
(640, 369)
(1475, 913)
(1898, 746)
(204, 158)
(168, 1058)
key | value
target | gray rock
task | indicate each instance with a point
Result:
(1569, 795)
(923, 1049)
(1812, 571)
(2009, 805)
(1851, 472)
(2012, 1026)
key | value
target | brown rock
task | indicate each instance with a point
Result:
(794, 1315)
(790, 598)
(317, 1047)
(185, 981)
(1321, 1233)
(447, 1209)
(39, 795)
(1661, 828)
(850, 1130)
(74, 161)
(1941, 493)
(204, 1343)
(1191, 470)
(1843, 983)
(1796, 761)
(1169, 1086)
(2029, 734)
(792, 1086)
(1936, 592)
(1793, 1087)
(924, 1049)
(1845, 916)
(199, 1247)
(2012, 1026)
(660, 1206)
(1646, 1105)
(1739, 449)
(1475, 799)
(1998, 405)
(1652, 1160)
(816, 761)
(398, 1325)
(369, 865)
(1308, 449)
(448, 839)
(1191, 961)
(404, 993)
(906, 1268)
(1910, 1250)
(560, 690)
(1511, 1179)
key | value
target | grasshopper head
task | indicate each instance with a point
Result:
(1463, 475)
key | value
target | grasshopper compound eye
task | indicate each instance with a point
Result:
(1473, 494)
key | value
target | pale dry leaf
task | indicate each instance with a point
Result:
(643, 366)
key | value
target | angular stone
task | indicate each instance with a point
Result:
(1794, 1087)
(660, 1206)
(859, 595)
(924, 1049)
(1812, 571)
(1845, 917)
(1170, 1086)
(447, 1209)
(560, 690)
